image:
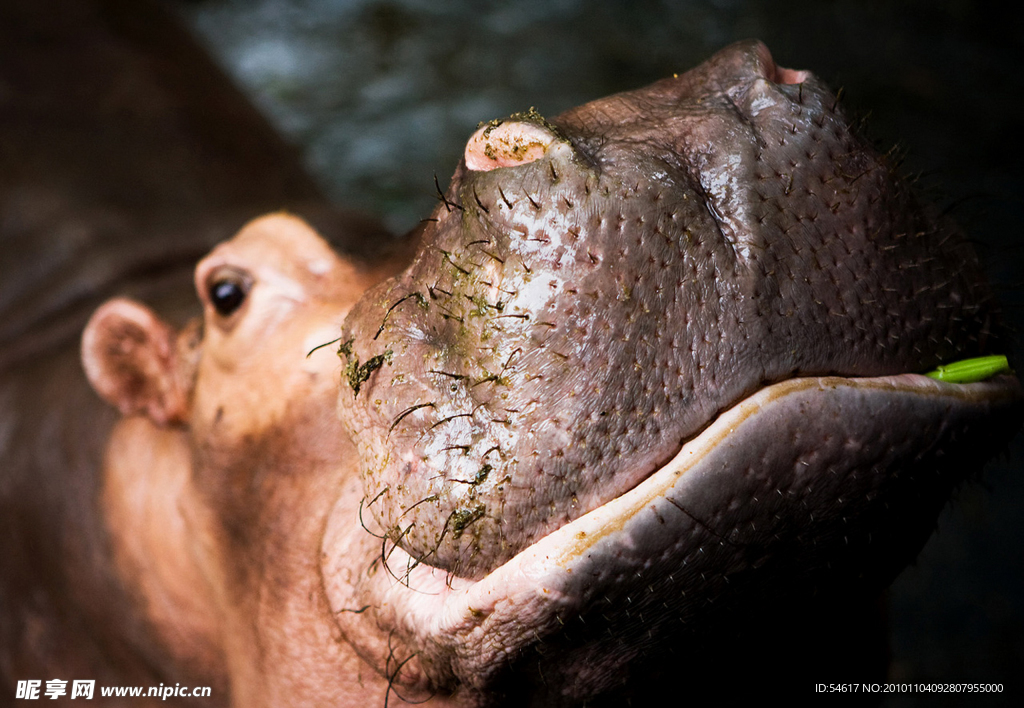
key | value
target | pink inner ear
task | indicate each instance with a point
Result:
(506, 145)
(128, 357)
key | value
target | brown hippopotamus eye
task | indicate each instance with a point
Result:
(227, 290)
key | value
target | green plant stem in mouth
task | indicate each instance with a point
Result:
(971, 370)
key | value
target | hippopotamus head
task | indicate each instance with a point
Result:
(218, 479)
(655, 368)
(660, 350)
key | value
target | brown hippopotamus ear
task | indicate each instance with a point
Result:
(129, 356)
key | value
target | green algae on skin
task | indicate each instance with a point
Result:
(461, 518)
(971, 370)
(357, 374)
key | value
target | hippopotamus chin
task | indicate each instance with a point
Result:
(662, 350)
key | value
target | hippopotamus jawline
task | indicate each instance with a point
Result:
(688, 529)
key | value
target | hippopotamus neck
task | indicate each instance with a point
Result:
(64, 609)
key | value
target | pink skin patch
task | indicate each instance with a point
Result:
(779, 74)
(789, 76)
(506, 145)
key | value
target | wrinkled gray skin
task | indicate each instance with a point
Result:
(571, 320)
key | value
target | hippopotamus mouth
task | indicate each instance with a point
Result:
(661, 352)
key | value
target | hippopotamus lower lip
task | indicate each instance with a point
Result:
(701, 520)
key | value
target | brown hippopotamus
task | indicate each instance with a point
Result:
(694, 344)
(219, 478)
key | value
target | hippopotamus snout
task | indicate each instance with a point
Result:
(595, 289)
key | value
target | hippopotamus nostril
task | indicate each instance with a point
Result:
(506, 144)
(789, 76)
(775, 73)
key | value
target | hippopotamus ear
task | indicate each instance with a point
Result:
(129, 356)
